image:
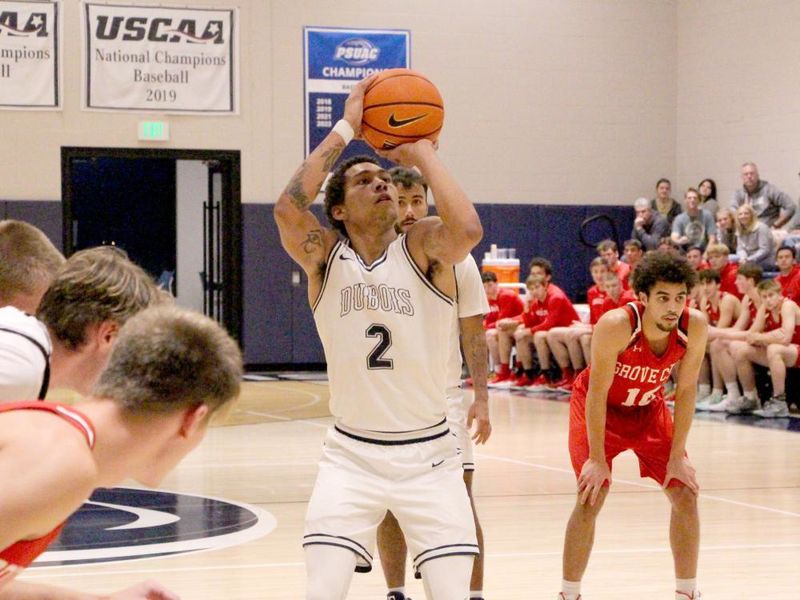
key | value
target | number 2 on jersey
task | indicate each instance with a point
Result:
(375, 359)
(646, 398)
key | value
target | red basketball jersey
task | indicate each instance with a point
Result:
(19, 555)
(639, 374)
(713, 313)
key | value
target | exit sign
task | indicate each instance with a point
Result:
(153, 131)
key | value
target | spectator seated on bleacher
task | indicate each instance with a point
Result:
(788, 272)
(608, 250)
(504, 308)
(726, 229)
(747, 278)
(754, 242)
(566, 343)
(718, 256)
(694, 226)
(771, 341)
(649, 226)
(663, 203)
(632, 249)
(722, 310)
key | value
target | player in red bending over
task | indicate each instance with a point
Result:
(617, 405)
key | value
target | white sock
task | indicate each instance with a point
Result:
(685, 586)
(476, 594)
(733, 390)
(703, 390)
(401, 589)
(718, 391)
(570, 589)
(751, 395)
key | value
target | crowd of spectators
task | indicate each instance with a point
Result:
(749, 290)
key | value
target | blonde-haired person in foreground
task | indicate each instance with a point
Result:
(28, 263)
(68, 343)
(170, 370)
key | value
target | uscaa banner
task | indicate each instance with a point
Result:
(29, 65)
(336, 59)
(173, 60)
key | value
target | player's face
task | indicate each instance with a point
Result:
(633, 254)
(539, 272)
(665, 304)
(538, 291)
(784, 260)
(717, 261)
(598, 273)
(612, 286)
(490, 287)
(743, 284)
(771, 299)
(411, 205)
(709, 287)
(370, 197)
(610, 256)
(694, 258)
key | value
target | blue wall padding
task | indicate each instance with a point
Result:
(278, 325)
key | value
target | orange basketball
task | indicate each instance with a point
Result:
(401, 106)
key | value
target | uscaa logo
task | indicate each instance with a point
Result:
(356, 52)
(128, 524)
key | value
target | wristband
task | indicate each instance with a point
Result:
(345, 130)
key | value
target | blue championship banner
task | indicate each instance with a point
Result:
(335, 60)
(29, 55)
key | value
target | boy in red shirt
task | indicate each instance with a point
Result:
(718, 255)
(610, 253)
(548, 307)
(505, 306)
(788, 278)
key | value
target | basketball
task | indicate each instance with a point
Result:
(401, 106)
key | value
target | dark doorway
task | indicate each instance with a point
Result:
(182, 233)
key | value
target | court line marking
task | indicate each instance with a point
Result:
(570, 472)
(315, 399)
(639, 484)
(47, 572)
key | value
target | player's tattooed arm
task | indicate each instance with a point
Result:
(313, 242)
(307, 181)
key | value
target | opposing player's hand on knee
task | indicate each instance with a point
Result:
(479, 414)
(593, 475)
(681, 469)
(146, 590)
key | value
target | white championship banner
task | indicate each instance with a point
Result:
(169, 60)
(29, 57)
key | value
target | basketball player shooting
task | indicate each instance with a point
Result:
(617, 405)
(383, 306)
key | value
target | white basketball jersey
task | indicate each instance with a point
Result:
(386, 331)
(471, 301)
(25, 350)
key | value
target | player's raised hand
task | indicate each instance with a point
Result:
(146, 590)
(412, 154)
(682, 470)
(479, 414)
(354, 105)
(593, 475)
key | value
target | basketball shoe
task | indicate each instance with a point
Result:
(397, 596)
(774, 408)
(561, 596)
(684, 596)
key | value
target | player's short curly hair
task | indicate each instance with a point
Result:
(662, 267)
(334, 191)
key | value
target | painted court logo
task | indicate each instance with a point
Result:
(127, 524)
(356, 52)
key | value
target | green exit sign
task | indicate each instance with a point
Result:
(153, 131)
